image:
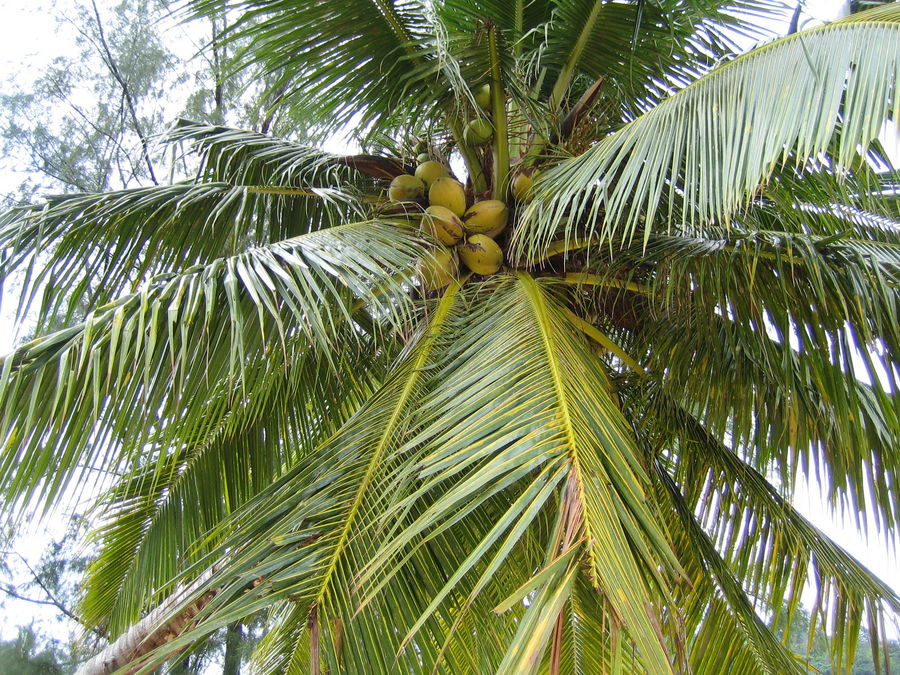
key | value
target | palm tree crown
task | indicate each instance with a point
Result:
(293, 400)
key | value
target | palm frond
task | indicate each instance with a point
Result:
(695, 145)
(360, 59)
(762, 539)
(559, 426)
(72, 400)
(153, 517)
(85, 250)
(250, 158)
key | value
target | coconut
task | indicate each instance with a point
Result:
(478, 132)
(481, 254)
(442, 223)
(423, 157)
(521, 188)
(486, 216)
(406, 188)
(449, 193)
(438, 269)
(430, 171)
(483, 97)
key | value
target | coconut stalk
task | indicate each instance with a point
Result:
(498, 112)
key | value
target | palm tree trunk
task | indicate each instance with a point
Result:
(148, 634)
(234, 636)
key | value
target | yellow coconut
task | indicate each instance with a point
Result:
(493, 234)
(486, 216)
(521, 188)
(483, 97)
(430, 171)
(449, 193)
(406, 188)
(481, 254)
(478, 132)
(441, 222)
(438, 269)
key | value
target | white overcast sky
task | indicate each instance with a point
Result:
(29, 39)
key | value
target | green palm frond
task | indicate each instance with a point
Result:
(339, 487)
(796, 409)
(762, 538)
(695, 145)
(143, 350)
(154, 517)
(638, 47)
(362, 57)
(250, 158)
(127, 236)
(563, 427)
(781, 280)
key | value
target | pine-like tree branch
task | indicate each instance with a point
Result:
(117, 74)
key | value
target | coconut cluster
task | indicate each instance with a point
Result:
(466, 233)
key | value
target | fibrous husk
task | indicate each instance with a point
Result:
(481, 254)
(429, 171)
(406, 188)
(478, 132)
(486, 216)
(521, 188)
(449, 193)
(483, 97)
(441, 223)
(438, 269)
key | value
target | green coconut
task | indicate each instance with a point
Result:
(481, 254)
(449, 193)
(438, 269)
(486, 216)
(406, 188)
(483, 97)
(423, 157)
(478, 132)
(442, 223)
(521, 188)
(429, 171)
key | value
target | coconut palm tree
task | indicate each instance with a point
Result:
(582, 462)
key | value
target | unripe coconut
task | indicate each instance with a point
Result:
(441, 222)
(406, 188)
(481, 254)
(487, 216)
(483, 97)
(423, 157)
(438, 269)
(521, 188)
(478, 132)
(448, 192)
(430, 171)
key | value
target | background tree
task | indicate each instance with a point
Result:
(91, 120)
(577, 460)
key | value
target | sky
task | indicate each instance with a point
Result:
(30, 36)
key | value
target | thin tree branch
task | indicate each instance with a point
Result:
(53, 601)
(117, 74)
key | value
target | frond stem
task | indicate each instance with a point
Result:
(587, 279)
(498, 109)
(601, 339)
(469, 155)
